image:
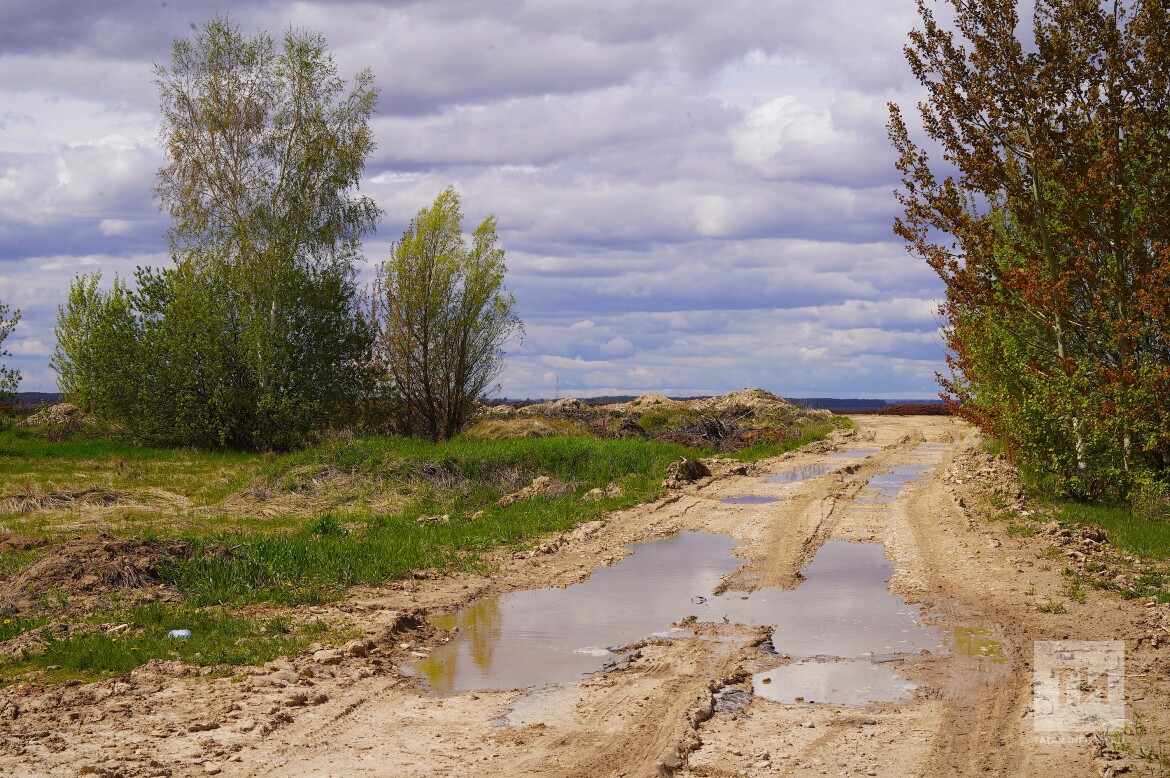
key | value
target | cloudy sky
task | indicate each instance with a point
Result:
(694, 197)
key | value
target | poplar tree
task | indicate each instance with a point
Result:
(1047, 214)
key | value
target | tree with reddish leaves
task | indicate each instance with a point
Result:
(1047, 213)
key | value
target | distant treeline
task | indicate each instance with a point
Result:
(37, 398)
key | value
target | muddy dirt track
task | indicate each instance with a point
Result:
(680, 704)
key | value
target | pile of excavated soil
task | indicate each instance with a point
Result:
(651, 400)
(745, 401)
(90, 565)
(58, 415)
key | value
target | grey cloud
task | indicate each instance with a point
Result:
(707, 185)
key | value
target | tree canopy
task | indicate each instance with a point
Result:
(1048, 217)
(252, 336)
(442, 317)
(9, 377)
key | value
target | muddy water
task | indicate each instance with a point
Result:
(800, 474)
(544, 636)
(838, 622)
(843, 610)
(842, 624)
(851, 682)
(884, 487)
(857, 453)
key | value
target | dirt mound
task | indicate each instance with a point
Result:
(497, 428)
(59, 415)
(750, 402)
(88, 565)
(541, 486)
(652, 400)
(567, 406)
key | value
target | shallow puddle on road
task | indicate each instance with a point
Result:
(749, 500)
(852, 682)
(800, 474)
(837, 621)
(842, 624)
(544, 636)
(884, 487)
(842, 611)
(976, 641)
(858, 453)
(844, 608)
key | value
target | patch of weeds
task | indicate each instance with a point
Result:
(1000, 501)
(1050, 553)
(1127, 741)
(326, 525)
(1051, 607)
(1021, 530)
(87, 652)
(804, 435)
(1126, 529)
(1075, 591)
(13, 562)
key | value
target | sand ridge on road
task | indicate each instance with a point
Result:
(352, 712)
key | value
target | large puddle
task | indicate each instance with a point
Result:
(843, 610)
(544, 636)
(841, 628)
(845, 628)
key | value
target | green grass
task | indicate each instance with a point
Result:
(463, 481)
(808, 433)
(88, 652)
(155, 484)
(1150, 539)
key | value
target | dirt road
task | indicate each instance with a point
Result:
(680, 704)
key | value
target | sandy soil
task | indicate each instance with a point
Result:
(349, 711)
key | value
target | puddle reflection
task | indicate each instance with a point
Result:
(839, 623)
(885, 487)
(854, 453)
(544, 636)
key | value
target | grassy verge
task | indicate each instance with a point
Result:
(113, 644)
(1142, 537)
(452, 514)
(808, 433)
